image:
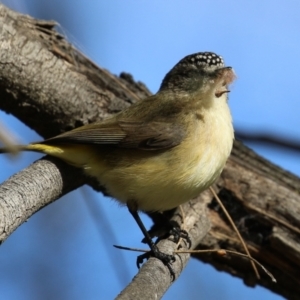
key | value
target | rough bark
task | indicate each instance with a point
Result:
(52, 88)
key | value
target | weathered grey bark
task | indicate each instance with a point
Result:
(51, 87)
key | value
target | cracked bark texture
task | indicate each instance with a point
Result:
(51, 87)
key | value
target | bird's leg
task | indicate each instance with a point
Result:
(167, 259)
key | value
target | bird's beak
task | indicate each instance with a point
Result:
(226, 76)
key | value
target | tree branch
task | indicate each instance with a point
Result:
(33, 188)
(269, 139)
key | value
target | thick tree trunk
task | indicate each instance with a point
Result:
(52, 88)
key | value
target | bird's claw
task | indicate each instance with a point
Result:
(180, 233)
(166, 259)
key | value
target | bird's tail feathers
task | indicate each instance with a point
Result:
(35, 147)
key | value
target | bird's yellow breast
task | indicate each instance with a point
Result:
(159, 181)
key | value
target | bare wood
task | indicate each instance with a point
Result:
(24, 194)
(68, 90)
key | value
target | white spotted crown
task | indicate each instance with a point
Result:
(203, 59)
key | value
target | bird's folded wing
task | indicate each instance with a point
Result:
(125, 134)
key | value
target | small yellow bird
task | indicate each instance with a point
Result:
(161, 151)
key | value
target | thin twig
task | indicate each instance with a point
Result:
(224, 251)
(219, 251)
(237, 231)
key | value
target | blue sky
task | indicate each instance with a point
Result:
(64, 249)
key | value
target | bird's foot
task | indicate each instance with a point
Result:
(178, 234)
(166, 259)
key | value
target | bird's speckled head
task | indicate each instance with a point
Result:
(208, 61)
(196, 70)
